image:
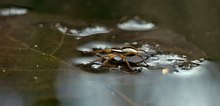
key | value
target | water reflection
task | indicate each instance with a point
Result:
(136, 24)
(83, 89)
(10, 98)
(86, 31)
(13, 11)
(151, 58)
(198, 86)
(98, 44)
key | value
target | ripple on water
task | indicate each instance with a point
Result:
(154, 61)
(13, 11)
(136, 24)
(82, 32)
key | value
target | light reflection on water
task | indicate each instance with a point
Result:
(13, 11)
(83, 89)
(10, 98)
(166, 62)
(195, 87)
(86, 31)
(136, 24)
(99, 45)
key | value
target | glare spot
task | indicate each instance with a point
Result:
(13, 11)
(86, 31)
(84, 61)
(96, 66)
(35, 78)
(61, 28)
(136, 24)
(134, 43)
(78, 38)
(90, 31)
(43, 54)
(165, 71)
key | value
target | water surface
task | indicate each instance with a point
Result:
(36, 59)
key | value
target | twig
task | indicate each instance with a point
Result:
(60, 44)
(37, 51)
(123, 96)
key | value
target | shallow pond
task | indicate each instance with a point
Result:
(41, 48)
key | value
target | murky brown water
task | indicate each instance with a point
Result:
(38, 53)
